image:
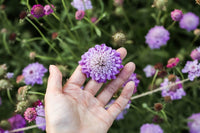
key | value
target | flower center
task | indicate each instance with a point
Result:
(38, 10)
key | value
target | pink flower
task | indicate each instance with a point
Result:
(48, 9)
(93, 19)
(37, 11)
(79, 15)
(30, 114)
(176, 15)
(172, 62)
(195, 54)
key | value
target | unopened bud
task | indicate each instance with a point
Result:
(118, 2)
(119, 11)
(32, 55)
(19, 79)
(79, 15)
(197, 32)
(22, 92)
(157, 119)
(21, 106)
(160, 4)
(158, 106)
(5, 84)
(5, 124)
(22, 14)
(54, 35)
(119, 38)
(12, 36)
(4, 30)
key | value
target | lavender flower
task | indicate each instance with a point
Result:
(195, 54)
(175, 92)
(133, 77)
(17, 121)
(37, 11)
(124, 112)
(40, 118)
(157, 37)
(190, 21)
(192, 68)
(82, 4)
(194, 123)
(101, 63)
(149, 70)
(33, 73)
(150, 128)
(48, 9)
(9, 75)
(176, 15)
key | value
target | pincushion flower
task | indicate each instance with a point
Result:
(82, 4)
(9, 75)
(48, 9)
(37, 11)
(33, 73)
(150, 128)
(101, 63)
(176, 15)
(192, 68)
(133, 78)
(79, 15)
(175, 92)
(190, 21)
(40, 118)
(194, 123)
(157, 37)
(17, 121)
(30, 114)
(195, 54)
(149, 70)
(172, 62)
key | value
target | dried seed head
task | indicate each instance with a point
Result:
(197, 32)
(119, 38)
(198, 2)
(21, 106)
(158, 106)
(5, 84)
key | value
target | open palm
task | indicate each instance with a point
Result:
(70, 109)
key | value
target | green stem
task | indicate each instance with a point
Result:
(178, 70)
(172, 24)
(36, 93)
(127, 19)
(6, 44)
(42, 35)
(45, 57)
(194, 40)
(27, 3)
(165, 117)
(33, 39)
(154, 78)
(158, 17)
(9, 96)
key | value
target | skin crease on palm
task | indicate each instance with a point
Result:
(69, 109)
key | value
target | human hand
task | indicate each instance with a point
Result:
(69, 109)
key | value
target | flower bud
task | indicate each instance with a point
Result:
(160, 4)
(19, 79)
(195, 54)
(176, 15)
(21, 106)
(158, 106)
(3, 69)
(22, 14)
(79, 15)
(22, 92)
(158, 81)
(118, 2)
(4, 30)
(5, 84)
(54, 35)
(197, 32)
(119, 11)
(32, 55)
(2, 7)
(12, 36)
(198, 2)
(119, 38)
(93, 19)
(157, 119)
(159, 66)
(5, 124)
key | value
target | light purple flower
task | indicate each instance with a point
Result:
(157, 37)
(124, 112)
(133, 77)
(48, 9)
(150, 128)
(101, 63)
(33, 73)
(195, 54)
(17, 121)
(37, 11)
(149, 70)
(190, 21)
(9, 75)
(1, 130)
(175, 92)
(192, 68)
(40, 118)
(176, 15)
(194, 123)
(82, 4)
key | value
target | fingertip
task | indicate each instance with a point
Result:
(123, 52)
(128, 89)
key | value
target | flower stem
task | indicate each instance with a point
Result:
(26, 128)
(178, 70)
(36, 93)
(158, 17)
(154, 78)
(9, 96)
(6, 44)
(172, 24)
(27, 4)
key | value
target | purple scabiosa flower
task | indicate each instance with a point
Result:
(124, 112)
(9, 75)
(33, 73)
(157, 37)
(37, 11)
(194, 123)
(17, 121)
(175, 92)
(48, 9)
(195, 54)
(101, 63)
(133, 77)
(30, 114)
(192, 68)
(176, 15)
(149, 70)
(79, 15)
(82, 4)
(150, 128)
(40, 118)
(190, 21)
